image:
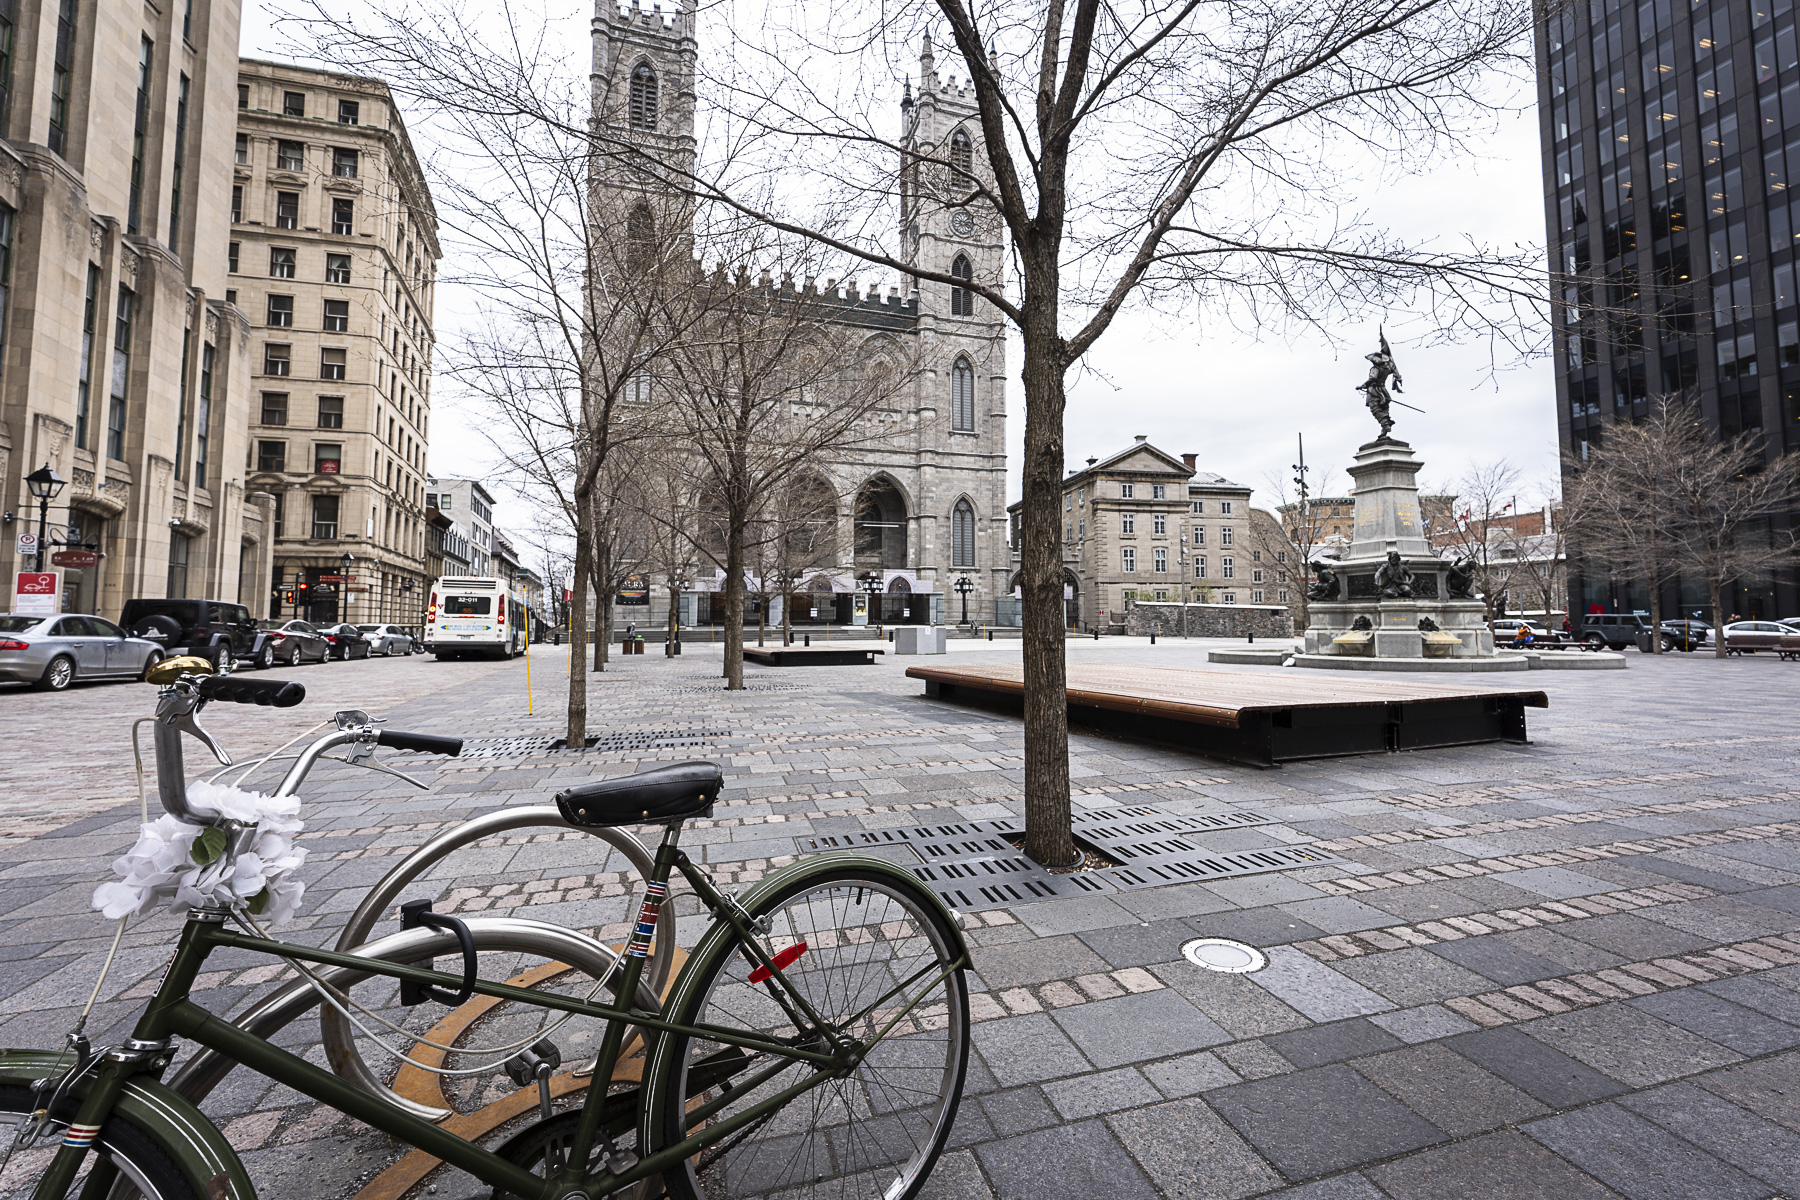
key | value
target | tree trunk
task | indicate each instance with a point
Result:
(762, 617)
(576, 733)
(734, 605)
(787, 613)
(1655, 614)
(1715, 591)
(674, 610)
(1048, 839)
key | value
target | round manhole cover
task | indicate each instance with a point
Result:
(1223, 954)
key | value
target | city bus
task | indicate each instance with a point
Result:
(475, 615)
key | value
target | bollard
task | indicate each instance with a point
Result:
(990, 634)
(1096, 635)
(1154, 630)
(808, 638)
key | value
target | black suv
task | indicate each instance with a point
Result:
(213, 629)
(1613, 630)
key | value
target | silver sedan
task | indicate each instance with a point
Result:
(53, 652)
(387, 639)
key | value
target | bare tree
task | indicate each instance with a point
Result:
(1169, 152)
(768, 385)
(1537, 553)
(1485, 499)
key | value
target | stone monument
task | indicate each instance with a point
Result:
(1391, 596)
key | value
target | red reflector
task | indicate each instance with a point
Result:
(781, 962)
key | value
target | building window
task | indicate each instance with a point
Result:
(281, 264)
(1081, 495)
(181, 107)
(1199, 535)
(140, 131)
(1200, 567)
(331, 364)
(274, 408)
(293, 104)
(1256, 597)
(1229, 598)
(331, 412)
(277, 360)
(1225, 508)
(231, 258)
(237, 204)
(962, 396)
(287, 210)
(1282, 595)
(187, 342)
(6, 58)
(962, 300)
(962, 535)
(643, 97)
(1281, 556)
(1225, 535)
(281, 312)
(203, 414)
(1159, 491)
(1197, 507)
(271, 456)
(62, 77)
(178, 566)
(1127, 522)
(326, 458)
(1159, 523)
(1128, 560)
(1256, 575)
(343, 216)
(1159, 557)
(337, 268)
(243, 150)
(962, 161)
(1127, 491)
(349, 112)
(85, 382)
(1068, 502)
(337, 316)
(343, 163)
(325, 517)
(640, 238)
(1228, 567)
(290, 156)
(121, 376)
(243, 95)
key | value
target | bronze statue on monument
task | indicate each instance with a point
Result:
(1374, 388)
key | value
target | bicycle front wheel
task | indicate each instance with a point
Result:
(126, 1157)
(875, 957)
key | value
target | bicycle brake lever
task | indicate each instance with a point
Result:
(188, 722)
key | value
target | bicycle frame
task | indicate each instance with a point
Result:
(171, 1013)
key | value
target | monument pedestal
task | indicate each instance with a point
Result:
(1389, 534)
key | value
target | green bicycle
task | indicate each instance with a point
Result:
(814, 1042)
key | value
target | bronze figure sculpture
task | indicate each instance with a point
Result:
(1326, 586)
(1459, 579)
(1374, 388)
(1394, 578)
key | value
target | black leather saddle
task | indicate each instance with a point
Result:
(664, 796)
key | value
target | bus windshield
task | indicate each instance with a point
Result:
(468, 606)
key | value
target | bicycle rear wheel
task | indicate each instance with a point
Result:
(142, 1166)
(866, 948)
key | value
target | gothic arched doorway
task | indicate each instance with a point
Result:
(880, 526)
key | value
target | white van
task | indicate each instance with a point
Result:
(475, 615)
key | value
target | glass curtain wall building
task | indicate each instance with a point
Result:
(1671, 131)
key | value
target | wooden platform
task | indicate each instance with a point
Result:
(1263, 718)
(846, 654)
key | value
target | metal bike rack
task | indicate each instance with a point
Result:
(340, 1044)
(275, 1011)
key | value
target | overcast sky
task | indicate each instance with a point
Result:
(1236, 400)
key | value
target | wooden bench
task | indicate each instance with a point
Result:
(811, 656)
(1260, 717)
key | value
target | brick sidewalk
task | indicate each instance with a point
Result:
(1567, 969)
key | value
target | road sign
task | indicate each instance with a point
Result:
(74, 558)
(28, 544)
(35, 593)
(337, 578)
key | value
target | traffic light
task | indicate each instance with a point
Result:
(287, 595)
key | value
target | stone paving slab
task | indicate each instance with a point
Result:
(1568, 969)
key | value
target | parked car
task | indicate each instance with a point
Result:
(213, 629)
(388, 639)
(1614, 631)
(1508, 629)
(1685, 634)
(346, 642)
(53, 652)
(295, 642)
(1747, 637)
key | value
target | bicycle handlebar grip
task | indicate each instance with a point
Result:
(424, 743)
(270, 693)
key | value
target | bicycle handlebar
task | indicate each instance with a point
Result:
(424, 743)
(270, 693)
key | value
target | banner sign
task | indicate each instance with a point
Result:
(74, 558)
(634, 592)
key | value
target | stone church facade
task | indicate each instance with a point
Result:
(929, 506)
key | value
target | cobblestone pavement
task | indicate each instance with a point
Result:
(1569, 969)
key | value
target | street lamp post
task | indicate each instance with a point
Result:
(964, 586)
(45, 485)
(871, 583)
(347, 561)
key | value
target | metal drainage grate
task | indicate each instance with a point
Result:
(647, 739)
(973, 866)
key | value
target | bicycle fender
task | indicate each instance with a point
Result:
(782, 876)
(191, 1139)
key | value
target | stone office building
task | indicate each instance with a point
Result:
(333, 257)
(124, 366)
